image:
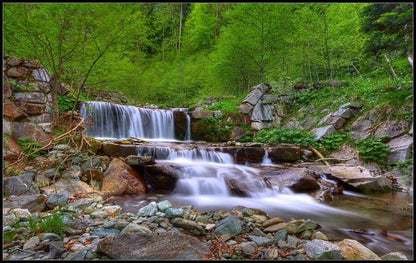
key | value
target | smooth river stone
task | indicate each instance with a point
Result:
(274, 228)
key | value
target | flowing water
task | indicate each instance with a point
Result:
(206, 176)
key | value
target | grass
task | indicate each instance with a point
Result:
(52, 223)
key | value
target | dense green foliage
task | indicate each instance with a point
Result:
(373, 150)
(291, 136)
(173, 54)
(30, 147)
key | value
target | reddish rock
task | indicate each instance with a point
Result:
(338, 122)
(14, 61)
(285, 153)
(7, 91)
(245, 108)
(249, 155)
(11, 150)
(11, 111)
(112, 149)
(62, 90)
(33, 109)
(18, 72)
(121, 179)
(201, 114)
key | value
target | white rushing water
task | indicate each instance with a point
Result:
(188, 128)
(121, 122)
(206, 177)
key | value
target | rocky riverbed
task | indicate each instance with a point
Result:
(69, 211)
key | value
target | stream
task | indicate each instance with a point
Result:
(383, 223)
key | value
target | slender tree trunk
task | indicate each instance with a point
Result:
(328, 55)
(180, 29)
(392, 72)
(406, 39)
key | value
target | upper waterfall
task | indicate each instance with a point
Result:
(120, 122)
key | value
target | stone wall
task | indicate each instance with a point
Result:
(27, 99)
(263, 109)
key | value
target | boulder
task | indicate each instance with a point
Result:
(321, 132)
(56, 200)
(70, 187)
(41, 74)
(237, 133)
(161, 176)
(121, 179)
(354, 250)
(139, 160)
(31, 97)
(113, 149)
(10, 110)
(7, 91)
(361, 129)
(269, 99)
(28, 129)
(253, 97)
(298, 179)
(323, 250)
(338, 122)
(135, 228)
(14, 61)
(401, 149)
(18, 72)
(44, 118)
(245, 108)
(180, 124)
(394, 256)
(192, 226)
(165, 246)
(345, 113)
(247, 154)
(17, 185)
(32, 202)
(148, 210)
(391, 129)
(229, 226)
(33, 108)
(285, 153)
(11, 150)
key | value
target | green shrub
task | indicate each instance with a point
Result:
(52, 223)
(373, 150)
(333, 141)
(29, 146)
(66, 103)
(291, 136)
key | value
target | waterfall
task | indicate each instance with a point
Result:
(188, 128)
(121, 122)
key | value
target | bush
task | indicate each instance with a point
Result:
(29, 147)
(373, 150)
(333, 141)
(292, 136)
(52, 223)
(66, 103)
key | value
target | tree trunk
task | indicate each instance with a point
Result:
(392, 72)
(180, 29)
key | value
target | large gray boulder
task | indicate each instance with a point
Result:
(401, 149)
(166, 246)
(32, 202)
(321, 249)
(253, 97)
(298, 179)
(229, 226)
(17, 185)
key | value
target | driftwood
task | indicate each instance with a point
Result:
(321, 157)
(53, 141)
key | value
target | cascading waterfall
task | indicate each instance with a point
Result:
(121, 122)
(208, 178)
(188, 128)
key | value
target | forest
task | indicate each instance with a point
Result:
(176, 53)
